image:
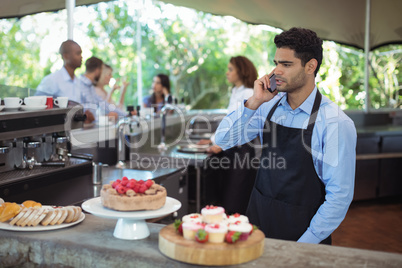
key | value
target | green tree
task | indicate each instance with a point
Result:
(19, 57)
(194, 53)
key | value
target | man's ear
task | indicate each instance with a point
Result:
(65, 56)
(311, 66)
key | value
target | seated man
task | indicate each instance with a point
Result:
(89, 98)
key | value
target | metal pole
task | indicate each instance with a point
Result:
(139, 55)
(366, 57)
(198, 188)
(70, 5)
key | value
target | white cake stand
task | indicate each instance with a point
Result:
(130, 225)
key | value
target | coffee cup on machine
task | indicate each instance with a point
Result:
(35, 101)
(61, 102)
(12, 102)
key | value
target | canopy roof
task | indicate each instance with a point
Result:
(19, 8)
(342, 21)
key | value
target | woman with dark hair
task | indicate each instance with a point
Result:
(242, 74)
(161, 89)
(231, 186)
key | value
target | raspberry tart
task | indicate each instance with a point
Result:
(133, 195)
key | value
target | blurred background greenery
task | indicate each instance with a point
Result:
(192, 47)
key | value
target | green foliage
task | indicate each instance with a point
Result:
(194, 53)
(19, 55)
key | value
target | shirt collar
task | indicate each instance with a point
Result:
(306, 106)
(86, 80)
(238, 88)
(66, 75)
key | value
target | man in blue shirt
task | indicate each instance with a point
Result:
(64, 83)
(305, 182)
(88, 96)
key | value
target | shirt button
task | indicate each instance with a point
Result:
(245, 115)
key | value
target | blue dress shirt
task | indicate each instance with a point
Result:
(91, 100)
(59, 84)
(333, 148)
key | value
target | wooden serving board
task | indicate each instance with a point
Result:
(178, 248)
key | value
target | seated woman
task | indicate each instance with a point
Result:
(161, 90)
(104, 81)
(231, 187)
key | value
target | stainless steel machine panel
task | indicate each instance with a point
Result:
(30, 137)
(19, 124)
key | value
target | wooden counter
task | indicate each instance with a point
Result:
(91, 244)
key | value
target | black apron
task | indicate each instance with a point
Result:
(287, 191)
(230, 186)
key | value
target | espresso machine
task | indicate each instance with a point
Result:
(35, 158)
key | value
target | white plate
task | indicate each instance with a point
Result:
(131, 225)
(33, 108)
(1, 107)
(94, 206)
(7, 226)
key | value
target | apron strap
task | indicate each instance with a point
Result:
(314, 111)
(311, 123)
(268, 119)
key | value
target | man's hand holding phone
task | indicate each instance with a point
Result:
(272, 83)
(264, 91)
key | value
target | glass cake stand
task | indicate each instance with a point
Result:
(131, 225)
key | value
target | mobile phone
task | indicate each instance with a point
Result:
(272, 81)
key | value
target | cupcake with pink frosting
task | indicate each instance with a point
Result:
(212, 214)
(216, 232)
(242, 227)
(190, 228)
(237, 218)
(194, 217)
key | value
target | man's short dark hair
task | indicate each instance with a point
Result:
(65, 47)
(306, 44)
(92, 64)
